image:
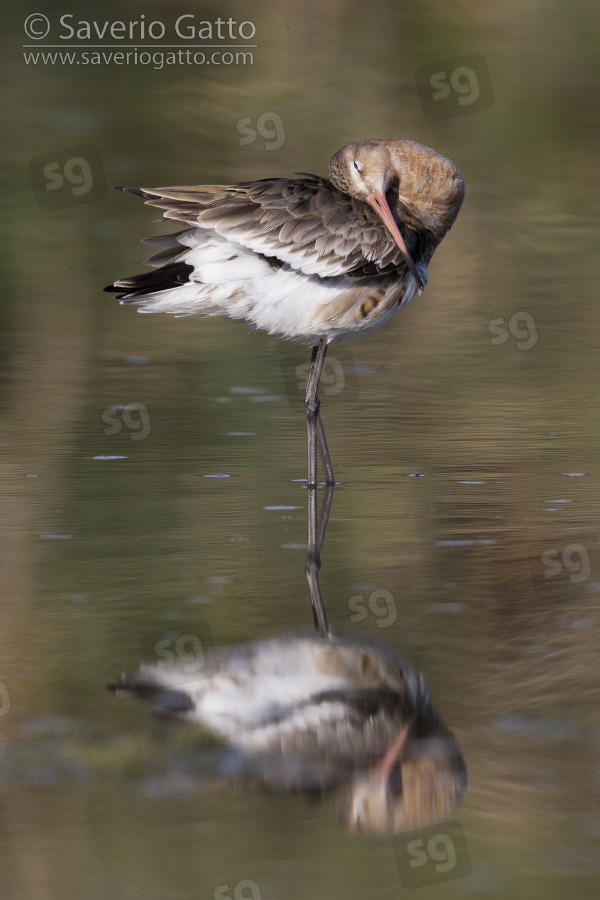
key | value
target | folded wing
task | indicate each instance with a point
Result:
(303, 221)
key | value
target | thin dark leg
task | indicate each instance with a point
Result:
(324, 516)
(324, 453)
(311, 407)
(315, 432)
(316, 442)
(316, 536)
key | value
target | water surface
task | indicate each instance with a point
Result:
(115, 426)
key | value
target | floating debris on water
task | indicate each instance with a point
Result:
(578, 622)
(276, 508)
(463, 543)
(359, 370)
(246, 390)
(446, 607)
(536, 728)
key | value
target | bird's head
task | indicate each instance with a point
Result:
(427, 186)
(413, 794)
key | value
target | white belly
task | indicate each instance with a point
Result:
(231, 280)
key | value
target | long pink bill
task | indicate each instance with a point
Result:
(377, 201)
(394, 754)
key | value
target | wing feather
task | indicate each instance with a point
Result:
(303, 221)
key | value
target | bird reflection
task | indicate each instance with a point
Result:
(322, 712)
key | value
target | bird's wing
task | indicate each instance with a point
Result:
(302, 221)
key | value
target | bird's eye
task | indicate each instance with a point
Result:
(357, 166)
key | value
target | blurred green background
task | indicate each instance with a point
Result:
(487, 386)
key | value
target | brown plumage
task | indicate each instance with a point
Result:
(307, 258)
(325, 227)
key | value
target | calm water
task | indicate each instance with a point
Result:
(484, 572)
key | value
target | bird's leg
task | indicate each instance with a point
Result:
(315, 432)
(311, 408)
(316, 442)
(324, 453)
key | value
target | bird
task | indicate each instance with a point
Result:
(345, 715)
(308, 258)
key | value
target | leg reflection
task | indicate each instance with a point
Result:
(317, 525)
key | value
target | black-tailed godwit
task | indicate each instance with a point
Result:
(313, 259)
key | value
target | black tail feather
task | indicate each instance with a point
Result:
(138, 192)
(165, 699)
(162, 279)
